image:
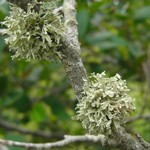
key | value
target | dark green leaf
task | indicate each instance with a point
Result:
(3, 9)
(83, 19)
(142, 14)
(38, 113)
(57, 108)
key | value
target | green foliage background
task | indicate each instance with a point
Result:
(36, 95)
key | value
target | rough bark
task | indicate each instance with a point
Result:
(128, 142)
(72, 60)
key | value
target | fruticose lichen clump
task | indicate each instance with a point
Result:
(105, 104)
(34, 34)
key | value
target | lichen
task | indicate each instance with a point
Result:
(105, 104)
(34, 34)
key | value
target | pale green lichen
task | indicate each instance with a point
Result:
(105, 104)
(34, 34)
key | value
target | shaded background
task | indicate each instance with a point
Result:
(36, 96)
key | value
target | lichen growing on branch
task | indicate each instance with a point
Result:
(105, 104)
(34, 34)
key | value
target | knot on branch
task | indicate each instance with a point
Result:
(34, 34)
(105, 104)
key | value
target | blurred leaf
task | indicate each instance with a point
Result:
(16, 148)
(38, 112)
(119, 41)
(107, 45)
(3, 9)
(2, 43)
(15, 137)
(23, 104)
(35, 74)
(57, 108)
(12, 97)
(96, 38)
(142, 14)
(83, 19)
(3, 84)
(124, 53)
(134, 50)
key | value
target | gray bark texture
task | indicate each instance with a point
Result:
(128, 142)
(72, 60)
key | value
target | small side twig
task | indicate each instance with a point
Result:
(142, 141)
(132, 119)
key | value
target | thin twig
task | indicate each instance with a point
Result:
(41, 134)
(142, 141)
(67, 140)
(132, 119)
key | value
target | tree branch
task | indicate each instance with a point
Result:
(72, 60)
(3, 147)
(76, 72)
(41, 134)
(132, 119)
(143, 143)
(66, 141)
(128, 142)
